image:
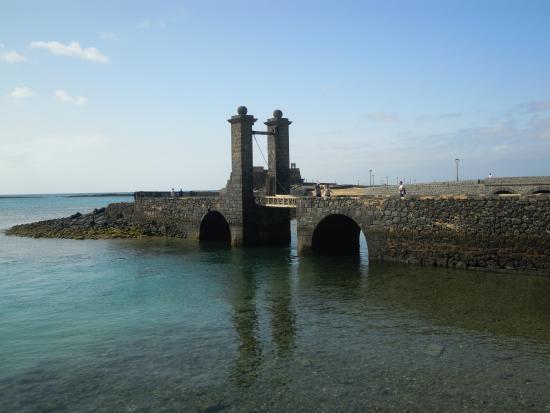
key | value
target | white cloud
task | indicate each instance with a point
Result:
(12, 57)
(533, 107)
(72, 49)
(64, 97)
(108, 36)
(48, 151)
(21, 92)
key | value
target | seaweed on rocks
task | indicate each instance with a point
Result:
(95, 225)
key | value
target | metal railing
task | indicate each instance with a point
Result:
(177, 194)
(279, 201)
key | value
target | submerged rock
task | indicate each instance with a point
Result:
(434, 349)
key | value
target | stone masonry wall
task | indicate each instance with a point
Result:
(491, 233)
(182, 217)
(174, 217)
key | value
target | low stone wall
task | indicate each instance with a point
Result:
(488, 187)
(501, 233)
(173, 217)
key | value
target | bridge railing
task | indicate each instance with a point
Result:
(278, 201)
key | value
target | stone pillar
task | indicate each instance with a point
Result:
(278, 154)
(304, 235)
(240, 195)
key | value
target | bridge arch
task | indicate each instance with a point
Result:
(545, 189)
(504, 191)
(336, 234)
(214, 228)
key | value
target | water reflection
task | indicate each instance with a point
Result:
(244, 287)
(500, 304)
(207, 327)
(283, 314)
(333, 275)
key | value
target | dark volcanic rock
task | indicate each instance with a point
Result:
(111, 222)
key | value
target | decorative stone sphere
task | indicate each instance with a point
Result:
(277, 114)
(242, 110)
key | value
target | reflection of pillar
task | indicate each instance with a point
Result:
(240, 195)
(245, 322)
(283, 318)
(278, 152)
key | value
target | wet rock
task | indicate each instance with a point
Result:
(96, 225)
(434, 349)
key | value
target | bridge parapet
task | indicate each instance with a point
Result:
(177, 194)
(489, 186)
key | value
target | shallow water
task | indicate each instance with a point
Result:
(172, 325)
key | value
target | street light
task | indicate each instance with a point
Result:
(370, 177)
(457, 161)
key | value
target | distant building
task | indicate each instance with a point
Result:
(260, 175)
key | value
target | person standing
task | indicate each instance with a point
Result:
(317, 190)
(402, 190)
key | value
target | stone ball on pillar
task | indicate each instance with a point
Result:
(242, 110)
(277, 114)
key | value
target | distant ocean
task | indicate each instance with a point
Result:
(173, 325)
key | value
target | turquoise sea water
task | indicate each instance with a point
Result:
(172, 325)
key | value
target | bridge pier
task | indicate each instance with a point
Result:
(304, 235)
(238, 198)
(278, 160)
(253, 224)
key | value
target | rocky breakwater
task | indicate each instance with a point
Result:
(114, 221)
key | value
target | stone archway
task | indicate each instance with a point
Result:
(541, 190)
(504, 191)
(214, 228)
(336, 234)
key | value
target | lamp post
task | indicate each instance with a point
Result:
(457, 161)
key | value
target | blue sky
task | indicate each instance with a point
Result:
(134, 95)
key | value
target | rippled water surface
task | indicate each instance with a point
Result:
(171, 325)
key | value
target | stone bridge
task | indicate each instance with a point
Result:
(489, 232)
